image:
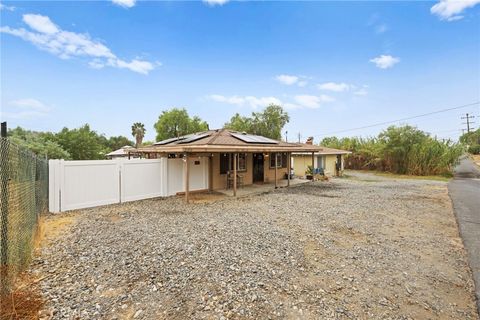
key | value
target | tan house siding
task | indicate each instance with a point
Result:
(219, 181)
(301, 162)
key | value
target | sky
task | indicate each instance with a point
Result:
(333, 66)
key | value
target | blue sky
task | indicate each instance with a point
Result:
(332, 65)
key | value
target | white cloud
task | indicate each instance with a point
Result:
(287, 79)
(299, 101)
(385, 61)
(251, 101)
(312, 102)
(332, 86)
(450, 10)
(215, 2)
(66, 44)
(40, 23)
(125, 3)
(4, 7)
(291, 80)
(25, 109)
(230, 100)
(31, 104)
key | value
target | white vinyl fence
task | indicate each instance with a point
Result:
(90, 183)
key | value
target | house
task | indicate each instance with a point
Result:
(234, 158)
(327, 160)
(123, 152)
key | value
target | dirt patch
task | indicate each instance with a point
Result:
(25, 300)
(53, 226)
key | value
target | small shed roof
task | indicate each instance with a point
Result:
(324, 151)
(123, 151)
(225, 140)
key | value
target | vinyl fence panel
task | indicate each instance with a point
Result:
(87, 184)
(90, 183)
(142, 179)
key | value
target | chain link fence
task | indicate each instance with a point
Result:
(23, 197)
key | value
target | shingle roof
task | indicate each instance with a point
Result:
(223, 140)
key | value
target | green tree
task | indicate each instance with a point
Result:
(268, 123)
(42, 144)
(117, 142)
(239, 123)
(82, 143)
(472, 141)
(138, 131)
(404, 150)
(176, 122)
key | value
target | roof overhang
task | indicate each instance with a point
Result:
(229, 148)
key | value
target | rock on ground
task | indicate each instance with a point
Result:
(362, 248)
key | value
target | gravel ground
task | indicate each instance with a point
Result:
(362, 247)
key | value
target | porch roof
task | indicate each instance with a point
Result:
(225, 140)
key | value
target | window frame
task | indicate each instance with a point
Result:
(279, 160)
(229, 161)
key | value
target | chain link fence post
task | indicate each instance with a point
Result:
(4, 177)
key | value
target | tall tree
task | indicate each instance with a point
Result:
(42, 144)
(82, 143)
(117, 142)
(176, 122)
(268, 123)
(239, 123)
(138, 131)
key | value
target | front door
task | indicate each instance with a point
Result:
(258, 167)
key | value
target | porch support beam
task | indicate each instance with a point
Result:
(289, 167)
(235, 155)
(210, 173)
(275, 154)
(186, 165)
(313, 165)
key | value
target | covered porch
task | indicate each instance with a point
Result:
(230, 162)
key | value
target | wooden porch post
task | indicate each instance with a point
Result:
(210, 173)
(289, 167)
(234, 174)
(275, 170)
(313, 163)
(186, 176)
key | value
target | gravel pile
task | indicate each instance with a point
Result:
(341, 249)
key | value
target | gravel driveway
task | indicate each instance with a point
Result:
(349, 248)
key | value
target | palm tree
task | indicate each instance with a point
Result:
(138, 131)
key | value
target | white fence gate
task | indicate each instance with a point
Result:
(90, 183)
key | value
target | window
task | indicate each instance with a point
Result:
(279, 160)
(226, 162)
(284, 160)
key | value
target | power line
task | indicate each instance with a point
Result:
(402, 119)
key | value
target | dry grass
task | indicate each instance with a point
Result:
(25, 301)
(50, 227)
(476, 158)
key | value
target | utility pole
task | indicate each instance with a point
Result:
(286, 136)
(299, 137)
(468, 117)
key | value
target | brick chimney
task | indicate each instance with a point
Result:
(309, 140)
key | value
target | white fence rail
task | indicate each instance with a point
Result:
(90, 183)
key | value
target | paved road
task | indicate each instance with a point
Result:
(464, 190)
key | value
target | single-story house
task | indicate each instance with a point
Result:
(123, 152)
(234, 158)
(327, 160)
